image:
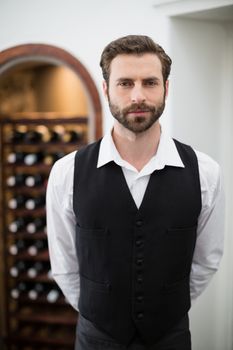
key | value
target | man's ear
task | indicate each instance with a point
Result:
(105, 88)
(166, 88)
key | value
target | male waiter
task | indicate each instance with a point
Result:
(135, 220)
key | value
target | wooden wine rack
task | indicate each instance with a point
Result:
(32, 324)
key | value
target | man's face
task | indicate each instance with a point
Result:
(136, 92)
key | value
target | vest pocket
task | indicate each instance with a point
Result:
(93, 297)
(89, 232)
(95, 286)
(181, 242)
(182, 231)
(92, 252)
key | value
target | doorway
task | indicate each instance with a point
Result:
(201, 102)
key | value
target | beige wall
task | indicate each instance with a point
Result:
(59, 89)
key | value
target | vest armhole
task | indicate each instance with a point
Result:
(187, 152)
(81, 157)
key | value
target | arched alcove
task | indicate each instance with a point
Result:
(42, 54)
(43, 88)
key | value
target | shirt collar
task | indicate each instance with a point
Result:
(166, 154)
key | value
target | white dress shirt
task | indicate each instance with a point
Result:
(61, 218)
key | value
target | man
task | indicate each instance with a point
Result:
(135, 220)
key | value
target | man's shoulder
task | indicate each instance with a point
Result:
(62, 170)
(204, 160)
(210, 177)
(209, 169)
(65, 165)
(66, 161)
(207, 165)
(89, 147)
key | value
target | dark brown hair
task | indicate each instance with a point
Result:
(134, 45)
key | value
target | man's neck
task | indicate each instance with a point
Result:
(136, 149)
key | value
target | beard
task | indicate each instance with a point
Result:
(137, 124)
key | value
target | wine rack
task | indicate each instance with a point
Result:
(36, 312)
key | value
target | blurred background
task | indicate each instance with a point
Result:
(51, 101)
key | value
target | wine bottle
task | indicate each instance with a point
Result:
(35, 180)
(17, 202)
(18, 290)
(71, 136)
(36, 202)
(37, 268)
(37, 224)
(33, 158)
(46, 332)
(46, 134)
(16, 157)
(49, 274)
(51, 136)
(60, 130)
(51, 158)
(53, 295)
(27, 331)
(16, 180)
(18, 268)
(33, 136)
(16, 134)
(36, 291)
(18, 224)
(19, 246)
(37, 246)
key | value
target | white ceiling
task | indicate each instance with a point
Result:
(218, 14)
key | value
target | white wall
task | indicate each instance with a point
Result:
(82, 27)
(201, 105)
(197, 51)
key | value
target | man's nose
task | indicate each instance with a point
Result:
(137, 95)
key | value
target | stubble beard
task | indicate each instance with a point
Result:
(134, 123)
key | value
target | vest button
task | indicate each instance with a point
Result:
(139, 279)
(140, 315)
(138, 242)
(139, 261)
(139, 223)
(139, 298)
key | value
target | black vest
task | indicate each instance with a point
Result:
(135, 263)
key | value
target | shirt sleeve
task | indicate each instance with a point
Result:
(210, 231)
(61, 229)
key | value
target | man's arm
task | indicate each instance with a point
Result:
(61, 229)
(210, 232)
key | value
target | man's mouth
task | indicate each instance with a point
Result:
(139, 111)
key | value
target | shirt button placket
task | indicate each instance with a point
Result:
(138, 297)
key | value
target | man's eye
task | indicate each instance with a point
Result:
(125, 83)
(151, 83)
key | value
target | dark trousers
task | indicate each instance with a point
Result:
(88, 337)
